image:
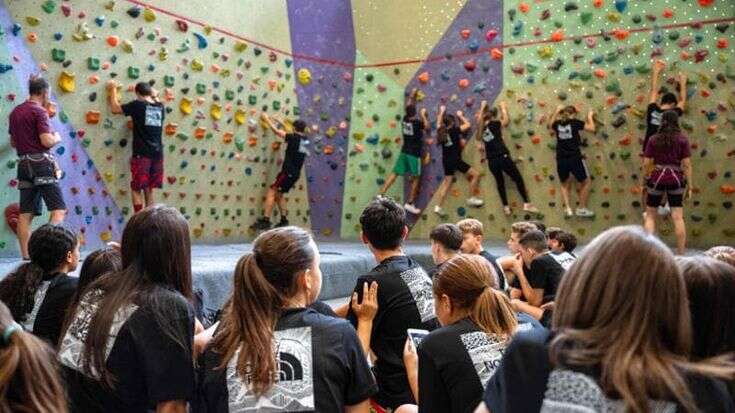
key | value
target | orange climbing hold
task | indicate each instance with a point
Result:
(600, 73)
(92, 117)
(524, 7)
(722, 43)
(199, 132)
(252, 141)
(227, 137)
(727, 189)
(464, 83)
(621, 34)
(496, 53)
(597, 3)
(626, 140)
(171, 128)
(536, 139)
(465, 33)
(328, 149)
(92, 80)
(557, 36)
(424, 77)
(113, 41)
(668, 13)
(32, 37)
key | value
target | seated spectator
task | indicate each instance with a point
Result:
(538, 224)
(273, 353)
(620, 340)
(97, 264)
(537, 285)
(472, 237)
(446, 240)
(455, 362)
(722, 253)
(512, 264)
(710, 286)
(29, 376)
(404, 299)
(561, 246)
(128, 344)
(38, 292)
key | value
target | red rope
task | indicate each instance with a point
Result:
(430, 59)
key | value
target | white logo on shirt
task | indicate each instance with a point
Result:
(419, 284)
(37, 301)
(408, 128)
(564, 259)
(564, 131)
(656, 118)
(72, 346)
(488, 136)
(153, 116)
(304, 146)
(485, 351)
(293, 390)
(569, 391)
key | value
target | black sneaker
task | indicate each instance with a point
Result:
(261, 224)
(283, 223)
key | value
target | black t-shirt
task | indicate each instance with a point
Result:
(493, 260)
(322, 369)
(49, 309)
(545, 273)
(323, 308)
(492, 136)
(147, 127)
(568, 142)
(452, 147)
(413, 136)
(297, 147)
(527, 382)
(148, 365)
(455, 364)
(405, 300)
(653, 118)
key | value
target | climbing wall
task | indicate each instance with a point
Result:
(345, 68)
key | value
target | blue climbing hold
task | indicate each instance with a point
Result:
(58, 36)
(461, 211)
(16, 29)
(60, 150)
(201, 41)
(99, 20)
(5, 68)
(474, 45)
(621, 5)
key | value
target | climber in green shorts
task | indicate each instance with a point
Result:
(409, 160)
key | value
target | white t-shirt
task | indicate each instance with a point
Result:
(564, 259)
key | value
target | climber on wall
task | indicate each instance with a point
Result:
(656, 110)
(569, 158)
(297, 148)
(451, 131)
(409, 160)
(146, 164)
(38, 172)
(490, 132)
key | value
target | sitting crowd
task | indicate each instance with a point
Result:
(624, 326)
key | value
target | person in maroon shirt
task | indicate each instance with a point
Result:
(38, 172)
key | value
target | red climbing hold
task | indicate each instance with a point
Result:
(470, 65)
(465, 33)
(706, 3)
(182, 25)
(12, 213)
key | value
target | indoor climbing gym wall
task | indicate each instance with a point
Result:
(346, 67)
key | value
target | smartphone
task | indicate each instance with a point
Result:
(416, 336)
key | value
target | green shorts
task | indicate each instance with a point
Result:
(407, 164)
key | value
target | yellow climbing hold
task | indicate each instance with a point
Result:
(106, 236)
(81, 33)
(331, 131)
(109, 177)
(185, 106)
(545, 52)
(215, 111)
(67, 81)
(240, 46)
(197, 65)
(304, 76)
(163, 54)
(240, 117)
(33, 21)
(614, 17)
(127, 46)
(149, 15)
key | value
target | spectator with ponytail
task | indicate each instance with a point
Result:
(667, 167)
(127, 346)
(39, 292)
(29, 379)
(271, 352)
(97, 264)
(455, 362)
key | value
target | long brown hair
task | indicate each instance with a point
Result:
(622, 307)
(29, 376)
(264, 281)
(710, 285)
(467, 280)
(156, 254)
(667, 132)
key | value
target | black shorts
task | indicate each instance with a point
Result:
(32, 192)
(451, 166)
(571, 166)
(674, 195)
(284, 182)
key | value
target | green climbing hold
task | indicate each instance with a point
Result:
(58, 55)
(252, 99)
(230, 94)
(585, 75)
(49, 6)
(673, 36)
(93, 63)
(114, 24)
(586, 17)
(63, 117)
(184, 137)
(531, 68)
(133, 72)
(201, 88)
(10, 164)
(276, 105)
(151, 36)
(643, 69)
(168, 81)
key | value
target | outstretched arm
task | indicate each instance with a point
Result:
(682, 91)
(464, 124)
(555, 116)
(412, 97)
(478, 117)
(504, 118)
(658, 66)
(278, 131)
(425, 119)
(440, 117)
(590, 124)
(113, 99)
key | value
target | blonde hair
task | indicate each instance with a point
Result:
(471, 225)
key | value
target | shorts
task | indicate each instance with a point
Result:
(284, 182)
(407, 164)
(451, 166)
(146, 173)
(571, 166)
(37, 181)
(674, 194)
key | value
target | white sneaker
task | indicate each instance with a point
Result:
(584, 212)
(530, 208)
(412, 209)
(569, 213)
(664, 210)
(439, 211)
(475, 201)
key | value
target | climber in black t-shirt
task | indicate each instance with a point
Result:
(451, 130)
(297, 149)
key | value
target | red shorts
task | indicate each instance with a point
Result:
(145, 173)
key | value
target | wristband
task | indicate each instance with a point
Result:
(8, 333)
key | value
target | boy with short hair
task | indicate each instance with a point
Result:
(537, 284)
(405, 298)
(297, 148)
(409, 160)
(472, 237)
(561, 246)
(146, 164)
(446, 241)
